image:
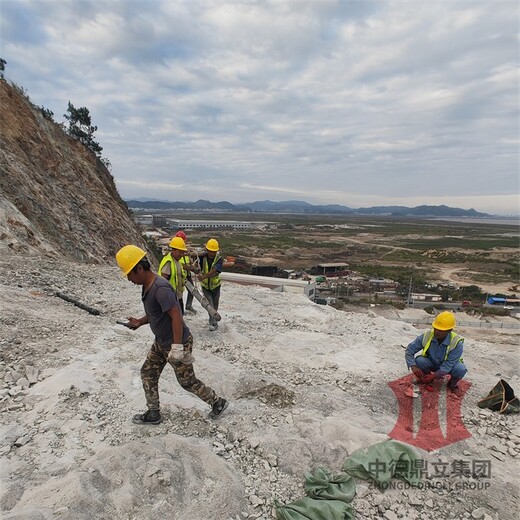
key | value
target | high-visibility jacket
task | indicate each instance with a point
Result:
(455, 339)
(177, 277)
(186, 273)
(214, 281)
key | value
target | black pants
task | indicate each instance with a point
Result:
(213, 297)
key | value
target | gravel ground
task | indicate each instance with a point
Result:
(307, 385)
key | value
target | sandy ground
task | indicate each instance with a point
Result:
(452, 274)
(307, 384)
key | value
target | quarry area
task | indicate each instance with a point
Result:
(307, 386)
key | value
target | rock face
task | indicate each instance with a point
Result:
(56, 196)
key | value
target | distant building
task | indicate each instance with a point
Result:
(332, 269)
(158, 221)
(426, 297)
(212, 224)
(144, 220)
(382, 284)
(267, 270)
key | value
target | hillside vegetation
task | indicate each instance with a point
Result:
(56, 196)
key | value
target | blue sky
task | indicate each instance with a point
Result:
(359, 103)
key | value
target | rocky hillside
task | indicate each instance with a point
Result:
(56, 196)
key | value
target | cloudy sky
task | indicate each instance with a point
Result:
(358, 103)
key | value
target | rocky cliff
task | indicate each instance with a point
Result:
(56, 196)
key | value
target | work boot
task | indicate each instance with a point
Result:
(148, 417)
(218, 408)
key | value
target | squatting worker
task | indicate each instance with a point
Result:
(211, 267)
(440, 352)
(173, 341)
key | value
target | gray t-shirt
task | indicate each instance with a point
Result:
(158, 300)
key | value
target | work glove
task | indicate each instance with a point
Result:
(176, 353)
(428, 378)
(440, 374)
(418, 373)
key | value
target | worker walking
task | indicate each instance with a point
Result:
(173, 340)
(211, 267)
(187, 265)
(171, 268)
(440, 352)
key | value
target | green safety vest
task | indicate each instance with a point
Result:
(185, 260)
(176, 279)
(214, 281)
(455, 339)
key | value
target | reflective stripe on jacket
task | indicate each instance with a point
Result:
(185, 260)
(214, 281)
(455, 339)
(176, 278)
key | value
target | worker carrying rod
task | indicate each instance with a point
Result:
(176, 267)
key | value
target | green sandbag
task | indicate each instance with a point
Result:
(326, 486)
(311, 509)
(501, 399)
(384, 461)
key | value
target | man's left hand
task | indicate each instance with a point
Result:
(133, 323)
(428, 378)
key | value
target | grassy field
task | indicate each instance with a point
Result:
(397, 248)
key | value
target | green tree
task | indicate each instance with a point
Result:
(471, 292)
(107, 163)
(80, 127)
(47, 114)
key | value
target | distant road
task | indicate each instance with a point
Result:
(421, 304)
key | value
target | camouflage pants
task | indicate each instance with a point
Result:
(151, 372)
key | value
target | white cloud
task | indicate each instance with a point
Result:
(333, 102)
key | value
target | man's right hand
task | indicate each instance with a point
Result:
(418, 373)
(134, 323)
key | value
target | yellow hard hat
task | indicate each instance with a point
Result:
(444, 321)
(178, 243)
(128, 257)
(212, 245)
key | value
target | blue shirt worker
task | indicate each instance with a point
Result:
(173, 340)
(440, 352)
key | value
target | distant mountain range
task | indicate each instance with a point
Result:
(298, 206)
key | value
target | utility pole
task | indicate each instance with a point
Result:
(409, 299)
